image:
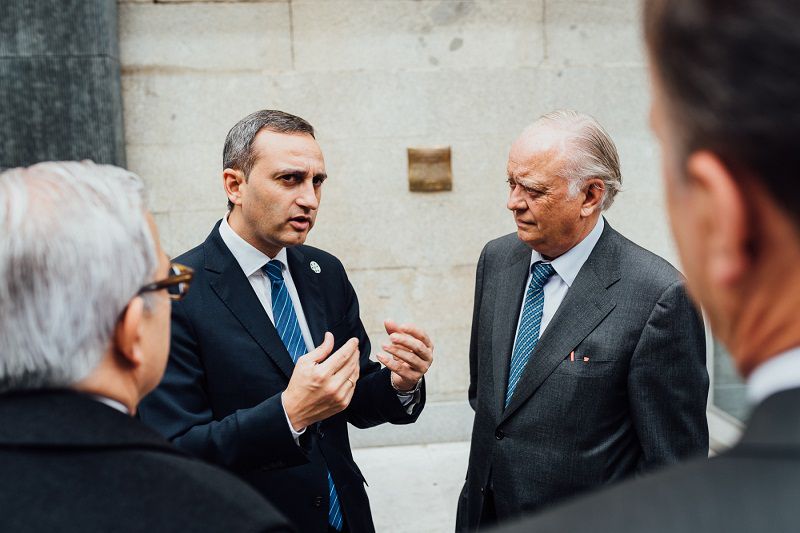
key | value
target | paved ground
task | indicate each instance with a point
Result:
(414, 489)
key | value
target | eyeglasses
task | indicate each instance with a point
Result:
(177, 282)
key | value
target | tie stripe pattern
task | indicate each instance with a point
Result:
(528, 334)
(288, 328)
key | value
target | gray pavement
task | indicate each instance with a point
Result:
(414, 488)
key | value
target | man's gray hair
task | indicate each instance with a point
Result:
(238, 152)
(75, 246)
(590, 152)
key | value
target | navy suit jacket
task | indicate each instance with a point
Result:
(220, 398)
(70, 464)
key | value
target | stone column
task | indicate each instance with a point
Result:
(60, 93)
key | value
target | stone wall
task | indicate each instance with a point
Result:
(375, 77)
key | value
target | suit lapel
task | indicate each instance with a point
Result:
(586, 305)
(232, 287)
(308, 289)
(510, 292)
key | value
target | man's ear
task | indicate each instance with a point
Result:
(593, 190)
(232, 180)
(128, 334)
(724, 206)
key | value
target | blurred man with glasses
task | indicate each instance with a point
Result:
(85, 292)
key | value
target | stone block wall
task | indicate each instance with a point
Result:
(375, 77)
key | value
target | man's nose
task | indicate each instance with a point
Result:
(515, 200)
(308, 195)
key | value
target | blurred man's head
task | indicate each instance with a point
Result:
(272, 172)
(726, 110)
(563, 171)
(76, 247)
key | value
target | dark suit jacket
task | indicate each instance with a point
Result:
(220, 396)
(753, 487)
(639, 402)
(70, 463)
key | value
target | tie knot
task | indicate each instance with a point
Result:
(541, 273)
(273, 270)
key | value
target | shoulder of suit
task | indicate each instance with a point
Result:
(502, 245)
(192, 258)
(206, 484)
(639, 262)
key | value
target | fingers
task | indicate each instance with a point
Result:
(410, 358)
(321, 352)
(395, 365)
(406, 342)
(418, 333)
(344, 355)
(343, 383)
(391, 326)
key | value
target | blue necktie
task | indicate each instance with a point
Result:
(289, 331)
(529, 325)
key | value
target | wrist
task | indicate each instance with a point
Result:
(297, 424)
(401, 386)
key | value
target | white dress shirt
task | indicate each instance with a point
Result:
(114, 404)
(251, 260)
(566, 268)
(777, 374)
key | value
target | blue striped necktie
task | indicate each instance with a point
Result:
(528, 334)
(289, 331)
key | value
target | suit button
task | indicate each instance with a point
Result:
(318, 501)
(499, 435)
(483, 490)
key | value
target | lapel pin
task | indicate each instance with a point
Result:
(315, 267)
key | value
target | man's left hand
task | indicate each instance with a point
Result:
(411, 354)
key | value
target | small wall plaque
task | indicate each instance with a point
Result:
(429, 169)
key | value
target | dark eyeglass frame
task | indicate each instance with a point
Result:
(180, 276)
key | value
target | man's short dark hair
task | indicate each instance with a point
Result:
(238, 153)
(730, 71)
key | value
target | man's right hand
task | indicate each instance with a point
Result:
(322, 383)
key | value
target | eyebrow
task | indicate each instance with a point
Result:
(531, 184)
(298, 171)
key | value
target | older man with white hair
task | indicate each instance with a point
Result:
(85, 295)
(587, 359)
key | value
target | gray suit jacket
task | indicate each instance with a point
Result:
(753, 487)
(639, 402)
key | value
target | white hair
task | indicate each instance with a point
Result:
(75, 246)
(589, 151)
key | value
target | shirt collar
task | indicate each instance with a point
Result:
(250, 258)
(114, 404)
(778, 373)
(568, 265)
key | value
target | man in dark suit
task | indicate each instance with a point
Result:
(84, 335)
(726, 110)
(240, 389)
(587, 360)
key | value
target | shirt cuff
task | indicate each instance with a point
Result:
(295, 434)
(410, 399)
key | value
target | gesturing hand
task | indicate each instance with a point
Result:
(411, 354)
(322, 383)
